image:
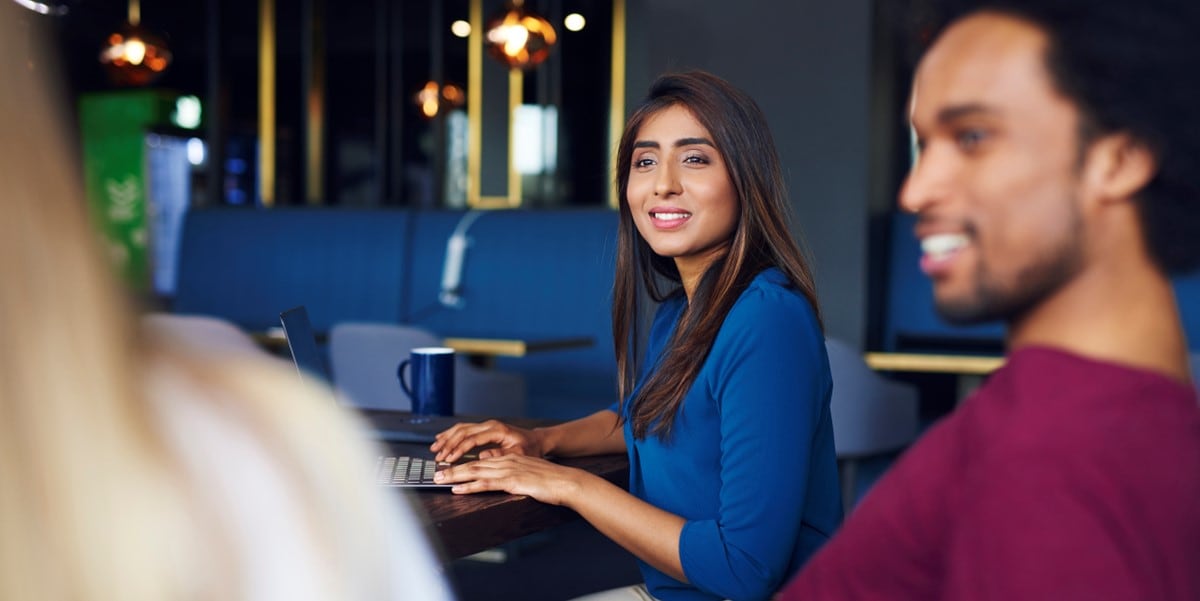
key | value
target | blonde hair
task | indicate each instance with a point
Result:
(93, 501)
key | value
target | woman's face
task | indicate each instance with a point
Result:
(679, 191)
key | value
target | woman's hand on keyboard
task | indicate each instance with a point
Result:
(519, 475)
(461, 438)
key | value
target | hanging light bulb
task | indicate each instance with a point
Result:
(430, 101)
(133, 56)
(519, 38)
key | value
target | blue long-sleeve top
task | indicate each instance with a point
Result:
(750, 462)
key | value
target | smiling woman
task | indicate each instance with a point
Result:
(673, 154)
(734, 387)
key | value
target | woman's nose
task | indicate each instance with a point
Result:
(667, 183)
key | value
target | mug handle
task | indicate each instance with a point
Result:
(400, 376)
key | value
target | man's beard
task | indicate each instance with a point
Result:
(993, 301)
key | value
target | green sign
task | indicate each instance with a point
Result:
(114, 126)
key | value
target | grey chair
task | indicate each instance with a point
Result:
(363, 358)
(872, 415)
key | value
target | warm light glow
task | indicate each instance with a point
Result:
(134, 51)
(134, 56)
(574, 22)
(519, 38)
(460, 28)
(454, 95)
(511, 38)
(429, 101)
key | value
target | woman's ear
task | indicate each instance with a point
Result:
(1117, 167)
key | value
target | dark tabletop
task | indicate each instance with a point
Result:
(467, 524)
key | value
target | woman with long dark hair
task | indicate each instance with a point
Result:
(733, 479)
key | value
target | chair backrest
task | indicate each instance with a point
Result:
(363, 358)
(871, 414)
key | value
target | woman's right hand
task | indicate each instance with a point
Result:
(459, 439)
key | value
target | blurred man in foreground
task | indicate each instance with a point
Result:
(1058, 186)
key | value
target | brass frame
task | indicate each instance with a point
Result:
(616, 102)
(266, 102)
(515, 83)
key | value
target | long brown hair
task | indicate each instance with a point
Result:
(762, 239)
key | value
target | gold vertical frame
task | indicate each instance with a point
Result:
(266, 102)
(516, 95)
(474, 102)
(516, 80)
(616, 102)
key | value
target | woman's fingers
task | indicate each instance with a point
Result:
(516, 474)
(459, 439)
(484, 468)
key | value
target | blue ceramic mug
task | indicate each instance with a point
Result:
(432, 373)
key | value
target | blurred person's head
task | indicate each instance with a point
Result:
(1054, 136)
(99, 494)
(701, 196)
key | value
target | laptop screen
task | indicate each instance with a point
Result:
(301, 340)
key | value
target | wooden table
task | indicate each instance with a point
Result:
(512, 347)
(483, 351)
(969, 370)
(946, 364)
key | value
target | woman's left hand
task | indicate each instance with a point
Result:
(516, 474)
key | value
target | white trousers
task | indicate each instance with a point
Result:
(636, 592)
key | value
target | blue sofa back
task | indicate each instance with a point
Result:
(530, 275)
(526, 274)
(248, 265)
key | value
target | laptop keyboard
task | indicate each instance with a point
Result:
(401, 471)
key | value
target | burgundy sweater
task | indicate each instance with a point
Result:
(1061, 478)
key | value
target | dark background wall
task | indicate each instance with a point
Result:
(808, 65)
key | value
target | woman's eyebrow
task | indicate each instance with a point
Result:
(693, 141)
(678, 143)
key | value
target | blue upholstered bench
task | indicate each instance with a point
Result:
(542, 274)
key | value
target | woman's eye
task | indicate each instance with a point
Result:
(695, 159)
(643, 163)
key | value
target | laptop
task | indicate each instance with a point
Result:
(390, 426)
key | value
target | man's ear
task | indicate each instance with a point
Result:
(1117, 167)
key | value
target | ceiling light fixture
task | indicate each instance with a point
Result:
(519, 38)
(430, 101)
(133, 56)
(574, 22)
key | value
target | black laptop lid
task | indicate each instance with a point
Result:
(301, 340)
